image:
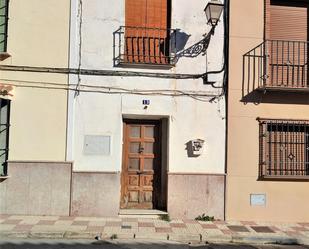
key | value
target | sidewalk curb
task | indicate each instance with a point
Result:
(185, 238)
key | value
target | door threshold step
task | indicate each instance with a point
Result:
(141, 213)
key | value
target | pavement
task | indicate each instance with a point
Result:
(189, 231)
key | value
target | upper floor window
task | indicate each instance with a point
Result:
(145, 38)
(284, 148)
(287, 32)
(3, 25)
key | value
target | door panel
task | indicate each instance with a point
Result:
(141, 165)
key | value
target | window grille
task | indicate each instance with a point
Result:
(4, 134)
(3, 24)
(284, 148)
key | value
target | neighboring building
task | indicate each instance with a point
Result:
(33, 115)
(130, 137)
(268, 113)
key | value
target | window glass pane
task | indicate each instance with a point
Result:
(135, 131)
(149, 131)
(133, 164)
(148, 148)
(148, 164)
(134, 147)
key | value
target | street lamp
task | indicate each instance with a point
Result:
(213, 11)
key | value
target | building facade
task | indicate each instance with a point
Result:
(139, 120)
(110, 107)
(267, 157)
(34, 107)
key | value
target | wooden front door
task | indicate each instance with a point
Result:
(141, 165)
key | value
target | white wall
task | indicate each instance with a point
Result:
(102, 114)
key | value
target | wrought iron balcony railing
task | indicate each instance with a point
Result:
(276, 64)
(139, 45)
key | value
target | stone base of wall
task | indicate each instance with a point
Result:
(36, 188)
(190, 195)
(51, 188)
(95, 194)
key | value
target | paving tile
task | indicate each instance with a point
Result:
(80, 223)
(25, 228)
(145, 224)
(292, 233)
(235, 228)
(126, 227)
(178, 225)
(129, 220)
(46, 222)
(66, 218)
(179, 230)
(209, 226)
(97, 223)
(163, 230)
(301, 229)
(63, 223)
(95, 228)
(146, 230)
(305, 224)
(113, 223)
(194, 228)
(7, 227)
(158, 223)
(189, 221)
(262, 229)
(274, 228)
(9, 221)
(228, 232)
(219, 222)
(4, 216)
(248, 223)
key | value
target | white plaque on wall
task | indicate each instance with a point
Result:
(97, 145)
(257, 199)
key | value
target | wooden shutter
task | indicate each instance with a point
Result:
(288, 22)
(287, 30)
(146, 31)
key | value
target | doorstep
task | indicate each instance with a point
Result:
(141, 213)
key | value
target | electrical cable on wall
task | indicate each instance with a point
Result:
(80, 15)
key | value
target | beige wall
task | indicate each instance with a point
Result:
(38, 35)
(285, 201)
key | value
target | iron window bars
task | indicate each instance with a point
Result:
(284, 148)
(4, 134)
(4, 6)
(277, 64)
(140, 45)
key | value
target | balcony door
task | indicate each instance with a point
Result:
(146, 31)
(287, 32)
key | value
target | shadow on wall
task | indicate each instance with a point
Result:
(179, 40)
(276, 97)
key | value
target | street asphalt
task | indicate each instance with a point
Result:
(126, 244)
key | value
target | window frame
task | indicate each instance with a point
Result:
(272, 148)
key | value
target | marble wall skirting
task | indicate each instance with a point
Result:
(190, 195)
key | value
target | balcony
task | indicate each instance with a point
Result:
(140, 46)
(276, 65)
